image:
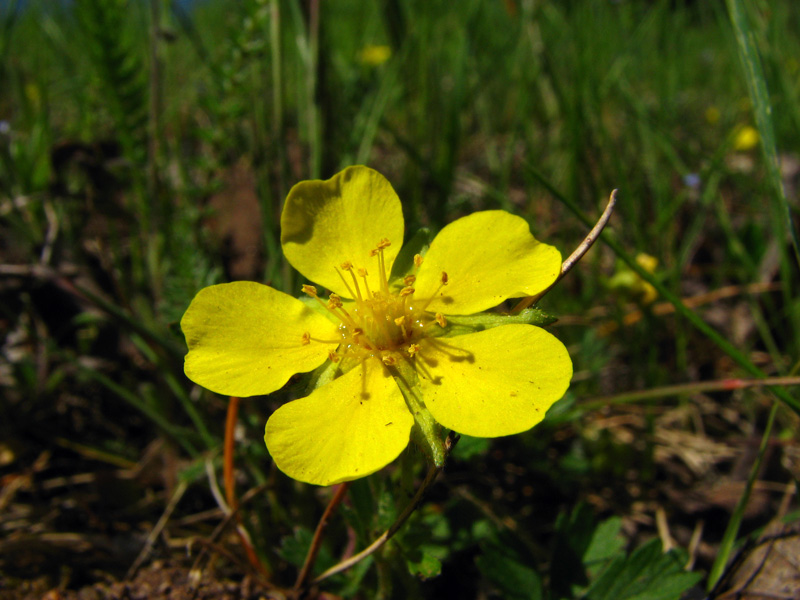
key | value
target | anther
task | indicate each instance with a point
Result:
(306, 338)
(400, 320)
(417, 260)
(413, 349)
(444, 278)
(407, 291)
(384, 243)
(333, 357)
(335, 301)
(362, 273)
(389, 360)
(441, 320)
(310, 290)
(409, 279)
(346, 266)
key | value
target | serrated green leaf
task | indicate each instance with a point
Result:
(606, 542)
(647, 574)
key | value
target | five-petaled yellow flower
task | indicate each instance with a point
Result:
(381, 333)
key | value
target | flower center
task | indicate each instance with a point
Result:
(385, 323)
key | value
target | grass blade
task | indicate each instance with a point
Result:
(759, 96)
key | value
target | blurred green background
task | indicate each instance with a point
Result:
(146, 148)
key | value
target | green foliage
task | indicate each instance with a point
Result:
(589, 562)
(118, 68)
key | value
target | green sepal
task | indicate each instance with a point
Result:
(323, 374)
(404, 263)
(426, 433)
(460, 325)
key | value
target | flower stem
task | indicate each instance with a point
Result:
(316, 542)
(449, 444)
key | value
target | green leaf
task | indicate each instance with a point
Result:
(647, 574)
(424, 562)
(509, 573)
(469, 447)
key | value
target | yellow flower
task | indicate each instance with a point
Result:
(745, 138)
(381, 333)
(634, 286)
(374, 56)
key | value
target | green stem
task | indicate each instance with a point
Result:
(728, 539)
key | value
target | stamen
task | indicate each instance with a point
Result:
(306, 340)
(333, 357)
(383, 244)
(441, 320)
(444, 280)
(389, 360)
(339, 273)
(407, 291)
(417, 260)
(409, 279)
(363, 274)
(413, 349)
(335, 301)
(348, 266)
(401, 323)
(310, 290)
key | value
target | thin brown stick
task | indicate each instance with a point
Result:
(316, 542)
(450, 443)
(578, 253)
(720, 385)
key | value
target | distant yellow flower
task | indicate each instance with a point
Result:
(381, 333)
(746, 138)
(374, 56)
(631, 284)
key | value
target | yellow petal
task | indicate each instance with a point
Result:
(325, 223)
(347, 429)
(488, 257)
(246, 339)
(495, 382)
